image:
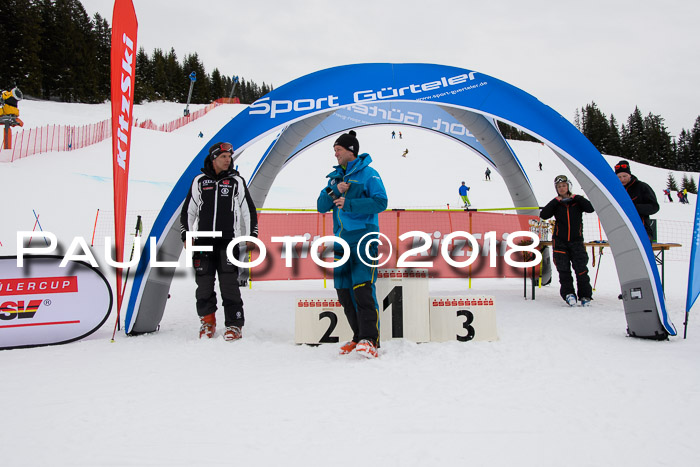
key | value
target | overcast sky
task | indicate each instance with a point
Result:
(617, 53)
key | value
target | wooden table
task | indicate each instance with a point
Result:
(658, 248)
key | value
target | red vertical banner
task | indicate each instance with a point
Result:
(123, 67)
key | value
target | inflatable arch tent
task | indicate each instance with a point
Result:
(459, 103)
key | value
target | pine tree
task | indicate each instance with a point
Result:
(218, 85)
(692, 187)
(143, 87)
(577, 120)
(613, 145)
(657, 142)
(175, 80)
(161, 82)
(684, 156)
(684, 182)
(694, 147)
(632, 138)
(103, 38)
(595, 126)
(20, 29)
(671, 182)
(201, 92)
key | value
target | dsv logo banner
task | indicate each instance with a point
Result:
(43, 304)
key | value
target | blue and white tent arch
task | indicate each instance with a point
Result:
(303, 110)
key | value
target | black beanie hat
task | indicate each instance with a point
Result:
(348, 141)
(218, 148)
(623, 166)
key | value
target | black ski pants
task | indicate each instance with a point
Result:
(360, 309)
(207, 265)
(568, 255)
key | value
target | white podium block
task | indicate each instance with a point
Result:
(320, 321)
(463, 318)
(402, 296)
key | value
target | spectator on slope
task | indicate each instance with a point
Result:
(667, 192)
(642, 195)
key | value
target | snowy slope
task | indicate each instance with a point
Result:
(561, 386)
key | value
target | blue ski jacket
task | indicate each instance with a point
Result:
(463, 190)
(364, 200)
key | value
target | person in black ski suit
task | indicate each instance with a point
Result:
(642, 195)
(218, 200)
(567, 241)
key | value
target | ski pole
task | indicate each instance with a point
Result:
(92, 242)
(33, 229)
(600, 258)
(40, 228)
(137, 233)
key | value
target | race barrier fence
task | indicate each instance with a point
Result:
(68, 137)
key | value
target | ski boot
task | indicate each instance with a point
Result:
(367, 349)
(347, 347)
(586, 301)
(571, 299)
(208, 326)
(233, 333)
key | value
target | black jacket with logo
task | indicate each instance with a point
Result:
(568, 214)
(219, 203)
(644, 200)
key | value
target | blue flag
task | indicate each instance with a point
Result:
(694, 269)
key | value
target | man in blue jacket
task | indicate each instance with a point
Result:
(356, 195)
(463, 192)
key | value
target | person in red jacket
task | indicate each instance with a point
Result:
(567, 241)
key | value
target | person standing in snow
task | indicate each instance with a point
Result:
(356, 195)
(667, 192)
(642, 195)
(488, 174)
(463, 192)
(218, 200)
(567, 241)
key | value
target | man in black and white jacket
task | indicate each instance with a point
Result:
(218, 201)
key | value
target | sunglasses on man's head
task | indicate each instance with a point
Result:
(223, 147)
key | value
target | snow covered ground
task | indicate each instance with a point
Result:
(561, 386)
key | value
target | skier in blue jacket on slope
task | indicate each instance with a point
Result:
(356, 195)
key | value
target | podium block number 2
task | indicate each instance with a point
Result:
(333, 318)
